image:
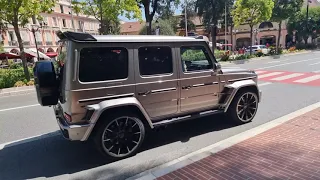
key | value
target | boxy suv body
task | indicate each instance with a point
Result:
(113, 88)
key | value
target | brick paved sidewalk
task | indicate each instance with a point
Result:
(288, 151)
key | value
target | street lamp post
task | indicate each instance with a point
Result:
(235, 31)
(256, 31)
(35, 28)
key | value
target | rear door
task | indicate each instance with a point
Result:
(156, 78)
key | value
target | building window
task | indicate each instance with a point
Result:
(80, 24)
(48, 38)
(61, 9)
(25, 37)
(64, 23)
(155, 60)
(55, 22)
(38, 38)
(108, 63)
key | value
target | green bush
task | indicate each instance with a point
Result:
(219, 53)
(15, 66)
(19, 84)
(241, 57)
(8, 77)
(259, 54)
(225, 58)
(193, 56)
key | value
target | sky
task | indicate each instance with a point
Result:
(122, 18)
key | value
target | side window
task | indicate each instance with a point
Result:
(103, 64)
(155, 60)
(195, 58)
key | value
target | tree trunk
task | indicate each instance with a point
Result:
(306, 39)
(231, 35)
(23, 57)
(279, 36)
(251, 34)
(148, 17)
(213, 37)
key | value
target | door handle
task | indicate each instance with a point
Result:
(186, 87)
(144, 93)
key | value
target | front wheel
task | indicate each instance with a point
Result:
(243, 107)
(121, 136)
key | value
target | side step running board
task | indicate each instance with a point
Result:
(188, 117)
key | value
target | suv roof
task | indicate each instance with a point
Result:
(85, 37)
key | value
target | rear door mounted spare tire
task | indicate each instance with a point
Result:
(46, 83)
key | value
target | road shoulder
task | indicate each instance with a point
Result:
(170, 168)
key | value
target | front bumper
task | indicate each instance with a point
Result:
(69, 131)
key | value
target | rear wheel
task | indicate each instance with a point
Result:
(120, 136)
(243, 107)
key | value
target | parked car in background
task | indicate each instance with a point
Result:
(257, 48)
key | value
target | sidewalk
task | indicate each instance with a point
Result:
(286, 148)
(17, 91)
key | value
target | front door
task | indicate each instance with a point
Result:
(156, 78)
(198, 85)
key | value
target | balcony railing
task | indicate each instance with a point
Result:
(39, 42)
(49, 43)
(26, 43)
(13, 43)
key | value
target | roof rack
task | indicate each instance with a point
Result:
(75, 36)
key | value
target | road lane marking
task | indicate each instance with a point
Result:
(21, 107)
(270, 74)
(308, 79)
(281, 78)
(272, 62)
(314, 64)
(260, 72)
(267, 67)
(264, 84)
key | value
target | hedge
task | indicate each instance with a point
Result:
(8, 77)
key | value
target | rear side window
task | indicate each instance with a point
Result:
(103, 64)
(155, 60)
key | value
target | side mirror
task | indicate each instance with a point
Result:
(218, 67)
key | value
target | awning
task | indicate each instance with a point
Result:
(8, 55)
(33, 53)
(52, 54)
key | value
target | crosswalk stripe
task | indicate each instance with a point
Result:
(270, 74)
(308, 79)
(281, 78)
(259, 72)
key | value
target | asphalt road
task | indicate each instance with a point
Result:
(50, 156)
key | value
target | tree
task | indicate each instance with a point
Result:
(190, 8)
(211, 11)
(284, 9)
(108, 11)
(304, 29)
(252, 12)
(17, 13)
(165, 28)
(151, 7)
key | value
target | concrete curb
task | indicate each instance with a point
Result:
(17, 91)
(214, 148)
(262, 58)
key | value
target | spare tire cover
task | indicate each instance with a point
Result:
(46, 83)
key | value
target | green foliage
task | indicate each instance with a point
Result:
(284, 9)
(303, 28)
(259, 54)
(15, 66)
(252, 12)
(19, 84)
(8, 77)
(193, 56)
(225, 57)
(108, 11)
(219, 53)
(165, 28)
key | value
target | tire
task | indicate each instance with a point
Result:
(120, 135)
(243, 107)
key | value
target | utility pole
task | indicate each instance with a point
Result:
(225, 26)
(186, 18)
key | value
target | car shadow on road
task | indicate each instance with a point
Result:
(53, 156)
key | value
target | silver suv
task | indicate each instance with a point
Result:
(111, 89)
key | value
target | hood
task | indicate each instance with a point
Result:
(226, 70)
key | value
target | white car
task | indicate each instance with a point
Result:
(256, 48)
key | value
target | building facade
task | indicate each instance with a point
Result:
(62, 18)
